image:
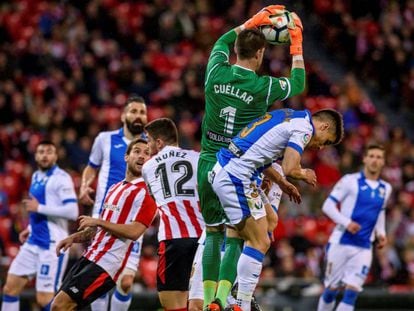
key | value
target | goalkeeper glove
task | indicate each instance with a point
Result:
(295, 31)
(262, 17)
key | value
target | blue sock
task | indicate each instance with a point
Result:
(10, 303)
(350, 297)
(329, 295)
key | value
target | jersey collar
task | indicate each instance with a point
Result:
(310, 120)
(134, 181)
(244, 68)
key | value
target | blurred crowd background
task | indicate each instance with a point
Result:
(66, 68)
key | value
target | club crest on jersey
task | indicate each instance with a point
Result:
(306, 138)
(283, 84)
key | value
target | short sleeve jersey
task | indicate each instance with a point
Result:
(234, 96)
(264, 141)
(171, 179)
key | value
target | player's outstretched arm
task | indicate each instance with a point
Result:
(292, 168)
(284, 185)
(82, 236)
(130, 231)
(86, 191)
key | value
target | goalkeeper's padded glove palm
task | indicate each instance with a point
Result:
(262, 17)
(295, 31)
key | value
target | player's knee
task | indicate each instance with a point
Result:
(350, 296)
(58, 304)
(125, 284)
(11, 290)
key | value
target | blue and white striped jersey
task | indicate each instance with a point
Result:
(55, 192)
(107, 154)
(362, 201)
(264, 140)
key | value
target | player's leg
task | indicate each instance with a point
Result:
(84, 283)
(228, 266)
(357, 269)
(23, 266)
(214, 218)
(11, 292)
(240, 201)
(121, 298)
(174, 269)
(49, 275)
(195, 294)
(336, 257)
(249, 267)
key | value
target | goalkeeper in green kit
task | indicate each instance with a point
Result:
(235, 95)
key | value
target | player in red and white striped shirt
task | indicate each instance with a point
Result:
(127, 212)
(171, 177)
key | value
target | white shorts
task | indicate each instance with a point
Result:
(133, 260)
(196, 278)
(347, 265)
(240, 199)
(33, 261)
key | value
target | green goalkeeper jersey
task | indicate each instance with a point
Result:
(234, 96)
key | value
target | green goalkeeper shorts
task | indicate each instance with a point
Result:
(211, 209)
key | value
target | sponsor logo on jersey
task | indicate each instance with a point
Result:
(112, 207)
(117, 146)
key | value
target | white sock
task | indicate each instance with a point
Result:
(248, 272)
(120, 302)
(345, 307)
(324, 306)
(100, 304)
(10, 303)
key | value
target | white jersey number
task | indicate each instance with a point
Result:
(229, 114)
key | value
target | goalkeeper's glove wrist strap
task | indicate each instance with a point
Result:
(296, 49)
(298, 57)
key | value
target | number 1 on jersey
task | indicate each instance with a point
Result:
(229, 114)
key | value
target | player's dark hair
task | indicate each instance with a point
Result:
(47, 143)
(335, 118)
(133, 143)
(248, 42)
(134, 98)
(374, 146)
(164, 129)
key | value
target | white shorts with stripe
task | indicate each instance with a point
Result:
(347, 265)
(239, 199)
(33, 261)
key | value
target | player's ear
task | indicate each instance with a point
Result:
(325, 126)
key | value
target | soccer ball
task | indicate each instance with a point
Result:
(278, 34)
